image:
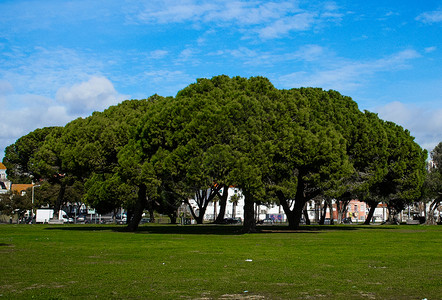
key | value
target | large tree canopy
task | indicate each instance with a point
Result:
(284, 146)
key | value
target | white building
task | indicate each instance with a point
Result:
(235, 208)
(5, 184)
(356, 210)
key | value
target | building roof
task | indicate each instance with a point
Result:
(20, 187)
(2, 166)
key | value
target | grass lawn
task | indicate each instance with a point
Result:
(215, 262)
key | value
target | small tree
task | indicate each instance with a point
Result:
(16, 204)
(432, 188)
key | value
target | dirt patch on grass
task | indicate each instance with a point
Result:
(241, 296)
(6, 248)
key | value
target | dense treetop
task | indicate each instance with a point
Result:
(285, 146)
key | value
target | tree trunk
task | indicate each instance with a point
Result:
(373, 206)
(192, 212)
(60, 199)
(214, 210)
(342, 206)
(323, 213)
(173, 216)
(297, 213)
(138, 209)
(151, 216)
(288, 212)
(203, 198)
(392, 220)
(330, 208)
(199, 219)
(293, 216)
(430, 216)
(249, 225)
(305, 213)
(222, 205)
(151, 209)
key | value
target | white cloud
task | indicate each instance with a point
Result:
(266, 19)
(243, 53)
(249, 56)
(97, 93)
(345, 75)
(174, 80)
(41, 70)
(430, 49)
(179, 11)
(283, 26)
(39, 112)
(430, 17)
(309, 53)
(23, 113)
(424, 123)
(157, 54)
(248, 13)
(163, 12)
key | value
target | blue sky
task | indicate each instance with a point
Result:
(60, 60)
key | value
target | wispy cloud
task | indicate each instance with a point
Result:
(178, 11)
(428, 133)
(31, 16)
(282, 27)
(268, 20)
(346, 75)
(250, 56)
(430, 17)
(40, 112)
(175, 80)
(41, 70)
(157, 54)
(430, 49)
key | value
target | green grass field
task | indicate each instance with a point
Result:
(216, 262)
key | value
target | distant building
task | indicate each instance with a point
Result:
(356, 210)
(5, 184)
(20, 188)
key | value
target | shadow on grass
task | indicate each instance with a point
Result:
(209, 229)
(157, 229)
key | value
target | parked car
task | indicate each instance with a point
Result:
(346, 221)
(81, 219)
(121, 219)
(144, 220)
(231, 221)
(265, 221)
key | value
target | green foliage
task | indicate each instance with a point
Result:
(15, 204)
(106, 193)
(405, 173)
(432, 187)
(19, 157)
(275, 145)
(436, 156)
